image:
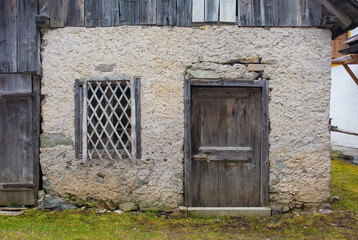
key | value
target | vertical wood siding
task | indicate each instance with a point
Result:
(94, 13)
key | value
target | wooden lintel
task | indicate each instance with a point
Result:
(353, 76)
(344, 20)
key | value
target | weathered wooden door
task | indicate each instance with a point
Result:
(226, 134)
(19, 138)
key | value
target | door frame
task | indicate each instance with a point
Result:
(263, 85)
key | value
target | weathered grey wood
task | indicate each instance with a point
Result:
(16, 141)
(287, 13)
(44, 8)
(8, 36)
(17, 185)
(311, 13)
(198, 11)
(211, 10)
(93, 13)
(58, 13)
(225, 127)
(188, 194)
(147, 13)
(138, 118)
(133, 120)
(228, 11)
(15, 83)
(227, 155)
(263, 12)
(110, 13)
(166, 12)
(84, 124)
(28, 44)
(245, 13)
(36, 121)
(184, 11)
(265, 145)
(129, 12)
(75, 13)
(78, 119)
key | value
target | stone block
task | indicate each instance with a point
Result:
(250, 76)
(53, 140)
(256, 67)
(105, 67)
(200, 73)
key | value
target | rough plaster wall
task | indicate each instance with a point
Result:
(297, 61)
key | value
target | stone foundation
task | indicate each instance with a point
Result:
(296, 60)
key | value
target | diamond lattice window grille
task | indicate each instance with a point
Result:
(108, 115)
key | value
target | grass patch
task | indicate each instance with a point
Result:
(82, 224)
(344, 183)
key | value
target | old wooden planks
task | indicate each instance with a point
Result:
(95, 13)
(19, 38)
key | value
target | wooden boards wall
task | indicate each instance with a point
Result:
(19, 37)
(95, 13)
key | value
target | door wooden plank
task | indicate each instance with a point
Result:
(129, 12)
(198, 11)
(166, 12)
(211, 10)
(110, 13)
(8, 36)
(245, 13)
(75, 13)
(228, 11)
(28, 59)
(93, 13)
(184, 11)
(147, 13)
(15, 83)
(16, 131)
(223, 184)
(209, 185)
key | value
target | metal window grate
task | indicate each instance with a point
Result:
(108, 119)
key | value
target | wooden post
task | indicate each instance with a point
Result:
(84, 124)
(133, 120)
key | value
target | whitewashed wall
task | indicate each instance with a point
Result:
(344, 104)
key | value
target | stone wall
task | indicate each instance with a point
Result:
(296, 60)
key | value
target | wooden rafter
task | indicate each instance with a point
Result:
(345, 60)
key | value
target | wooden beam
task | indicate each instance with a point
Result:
(344, 20)
(336, 129)
(355, 79)
(348, 59)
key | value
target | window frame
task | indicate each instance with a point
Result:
(80, 115)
